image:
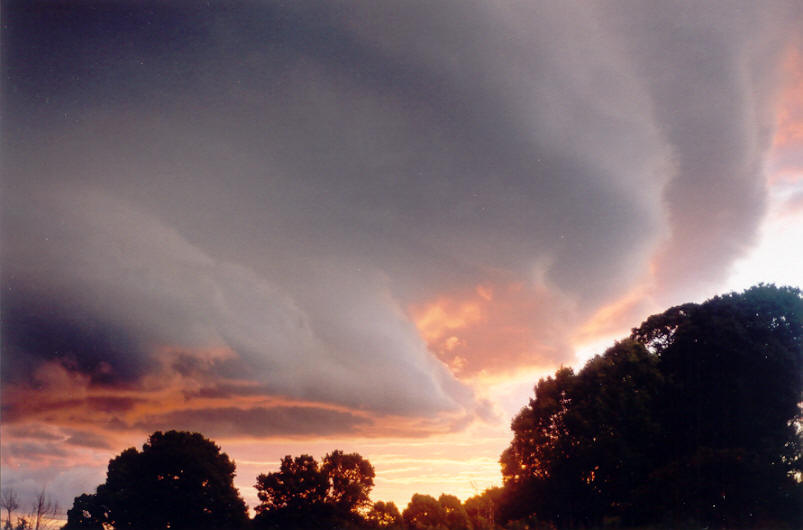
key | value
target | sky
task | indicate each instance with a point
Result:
(372, 226)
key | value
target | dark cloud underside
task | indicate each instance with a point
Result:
(258, 422)
(262, 192)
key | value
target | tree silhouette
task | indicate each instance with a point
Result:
(87, 513)
(294, 496)
(180, 480)
(424, 512)
(43, 509)
(350, 478)
(9, 501)
(693, 418)
(733, 369)
(483, 509)
(303, 495)
(384, 515)
(585, 439)
(455, 513)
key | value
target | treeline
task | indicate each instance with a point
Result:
(692, 421)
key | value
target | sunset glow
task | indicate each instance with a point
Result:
(370, 227)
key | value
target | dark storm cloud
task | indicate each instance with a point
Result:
(43, 404)
(87, 439)
(258, 422)
(123, 268)
(35, 450)
(268, 187)
(36, 329)
(712, 72)
(34, 432)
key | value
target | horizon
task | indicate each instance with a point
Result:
(301, 228)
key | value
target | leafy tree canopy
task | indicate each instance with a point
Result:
(302, 494)
(180, 480)
(694, 417)
(424, 512)
(384, 515)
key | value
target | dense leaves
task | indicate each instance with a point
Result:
(694, 418)
(303, 495)
(424, 513)
(384, 515)
(350, 478)
(179, 480)
(483, 509)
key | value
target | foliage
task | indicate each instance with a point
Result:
(694, 417)
(483, 509)
(424, 512)
(87, 513)
(384, 515)
(298, 484)
(733, 367)
(456, 516)
(350, 479)
(303, 495)
(179, 480)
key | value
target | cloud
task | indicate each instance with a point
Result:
(497, 327)
(87, 439)
(364, 206)
(108, 266)
(712, 92)
(258, 422)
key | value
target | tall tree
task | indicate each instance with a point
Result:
(298, 485)
(586, 438)
(180, 480)
(734, 372)
(483, 509)
(43, 510)
(424, 512)
(385, 515)
(302, 494)
(455, 513)
(695, 417)
(9, 501)
(351, 478)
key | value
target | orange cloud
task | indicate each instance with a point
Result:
(787, 147)
(790, 114)
(495, 327)
(618, 316)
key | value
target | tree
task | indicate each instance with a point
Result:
(351, 478)
(483, 509)
(43, 509)
(585, 439)
(384, 515)
(456, 516)
(733, 367)
(424, 512)
(23, 523)
(180, 480)
(87, 513)
(298, 484)
(692, 419)
(303, 495)
(9, 501)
